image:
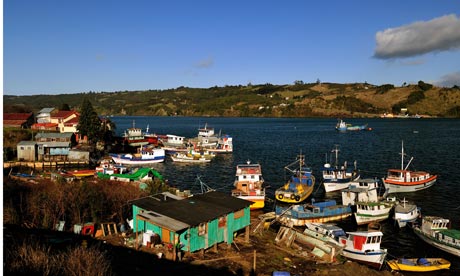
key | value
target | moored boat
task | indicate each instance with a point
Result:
(321, 212)
(145, 156)
(343, 127)
(418, 264)
(325, 231)
(193, 156)
(365, 190)
(404, 180)
(372, 211)
(435, 232)
(249, 184)
(300, 185)
(135, 137)
(405, 212)
(337, 177)
(364, 247)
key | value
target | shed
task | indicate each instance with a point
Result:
(27, 151)
(196, 223)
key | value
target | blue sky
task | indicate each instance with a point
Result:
(56, 47)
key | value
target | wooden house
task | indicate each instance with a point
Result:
(44, 115)
(66, 121)
(195, 223)
(53, 146)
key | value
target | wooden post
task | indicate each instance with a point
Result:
(246, 236)
(254, 265)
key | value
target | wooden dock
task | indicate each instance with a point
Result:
(40, 165)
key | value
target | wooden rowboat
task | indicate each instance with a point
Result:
(419, 265)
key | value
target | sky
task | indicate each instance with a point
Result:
(61, 47)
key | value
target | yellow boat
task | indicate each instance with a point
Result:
(300, 186)
(419, 265)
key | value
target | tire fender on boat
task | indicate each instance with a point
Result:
(297, 198)
(280, 196)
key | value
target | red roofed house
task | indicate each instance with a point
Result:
(18, 120)
(66, 121)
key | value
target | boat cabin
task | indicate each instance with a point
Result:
(407, 176)
(363, 241)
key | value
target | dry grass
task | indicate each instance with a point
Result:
(37, 259)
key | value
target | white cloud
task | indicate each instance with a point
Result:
(439, 34)
(449, 80)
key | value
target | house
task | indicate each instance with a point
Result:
(27, 151)
(195, 223)
(44, 115)
(53, 146)
(65, 120)
(18, 120)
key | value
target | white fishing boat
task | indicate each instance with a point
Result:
(193, 156)
(405, 212)
(325, 231)
(365, 190)
(404, 180)
(369, 212)
(249, 184)
(338, 177)
(143, 157)
(364, 247)
(134, 136)
(434, 230)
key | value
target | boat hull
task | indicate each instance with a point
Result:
(292, 221)
(130, 161)
(412, 266)
(372, 258)
(407, 187)
(330, 186)
(258, 201)
(432, 241)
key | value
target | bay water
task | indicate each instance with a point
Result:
(276, 142)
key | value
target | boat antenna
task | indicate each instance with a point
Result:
(336, 150)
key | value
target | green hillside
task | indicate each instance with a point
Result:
(267, 100)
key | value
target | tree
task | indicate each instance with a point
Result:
(65, 107)
(89, 124)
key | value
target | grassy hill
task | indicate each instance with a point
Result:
(267, 100)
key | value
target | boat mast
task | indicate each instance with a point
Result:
(336, 150)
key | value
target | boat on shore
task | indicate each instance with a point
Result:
(327, 232)
(249, 184)
(145, 156)
(405, 212)
(434, 231)
(300, 185)
(364, 247)
(418, 264)
(404, 180)
(337, 177)
(321, 212)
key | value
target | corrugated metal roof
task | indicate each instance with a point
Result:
(27, 143)
(55, 144)
(164, 221)
(53, 135)
(46, 110)
(196, 209)
(17, 116)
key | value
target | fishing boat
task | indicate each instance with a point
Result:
(300, 185)
(108, 166)
(364, 247)
(249, 184)
(367, 189)
(418, 264)
(343, 127)
(81, 173)
(193, 156)
(145, 156)
(224, 144)
(405, 212)
(404, 180)
(327, 232)
(434, 230)
(372, 211)
(172, 143)
(135, 137)
(338, 177)
(300, 214)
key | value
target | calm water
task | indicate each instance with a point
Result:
(275, 142)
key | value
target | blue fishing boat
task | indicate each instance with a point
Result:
(321, 212)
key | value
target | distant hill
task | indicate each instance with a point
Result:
(266, 100)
